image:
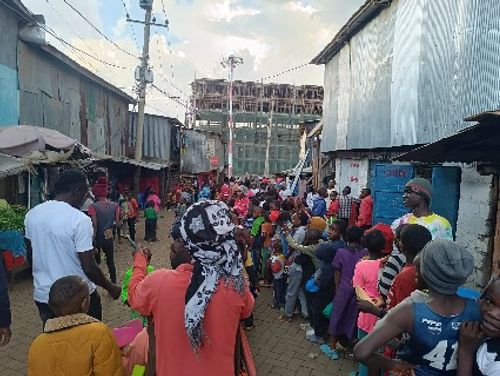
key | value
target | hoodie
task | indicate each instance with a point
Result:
(325, 253)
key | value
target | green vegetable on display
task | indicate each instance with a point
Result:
(11, 216)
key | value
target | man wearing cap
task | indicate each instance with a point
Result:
(105, 216)
(417, 196)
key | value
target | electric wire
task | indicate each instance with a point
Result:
(98, 30)
(127, 14)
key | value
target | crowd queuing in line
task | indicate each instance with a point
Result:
(388, 294)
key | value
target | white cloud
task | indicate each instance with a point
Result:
(227, 11)
(120, 27)
(271, 35)
(298, 6)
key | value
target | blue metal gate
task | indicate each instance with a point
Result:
(387, 189)
(446, 193)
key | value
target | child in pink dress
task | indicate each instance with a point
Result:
(365, 282)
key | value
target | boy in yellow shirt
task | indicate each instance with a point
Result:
(74, 343)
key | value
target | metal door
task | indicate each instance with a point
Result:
(388, 183)
(446, 193)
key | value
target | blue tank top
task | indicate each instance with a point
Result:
(433, 345)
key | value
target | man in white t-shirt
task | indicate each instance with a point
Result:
(59, 238)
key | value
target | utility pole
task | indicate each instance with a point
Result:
(144, 76)
(148, 6)
(231, 62)
(268, 144)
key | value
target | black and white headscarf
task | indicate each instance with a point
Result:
(207, 231)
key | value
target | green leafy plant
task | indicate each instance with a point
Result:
(12, 217)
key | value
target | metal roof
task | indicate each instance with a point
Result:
(103, 158)
(10, 166)
(368, 11)
(478, 143)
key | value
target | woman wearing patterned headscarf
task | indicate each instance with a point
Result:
(197, 307)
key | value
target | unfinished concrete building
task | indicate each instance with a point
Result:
(254, 105)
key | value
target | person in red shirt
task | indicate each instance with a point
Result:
(133, 213)
(365, 209)
(413, 239)
(334, 206)
(241, 204)
(225, 190)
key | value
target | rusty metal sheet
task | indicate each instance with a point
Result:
(195, 157)
(158, 134)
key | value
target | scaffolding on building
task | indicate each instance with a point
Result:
(254, 105)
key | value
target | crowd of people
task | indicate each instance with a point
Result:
(391, 295)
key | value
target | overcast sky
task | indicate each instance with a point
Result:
(271, 36)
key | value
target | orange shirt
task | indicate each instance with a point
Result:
(133, 208)
(162, 295)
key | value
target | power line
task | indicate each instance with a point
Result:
(160, 72)
(163, 9)
(127, 14)
(178, 101)
(82, 51)
(81, 38)
(283, 72)
(98, 30)
(54, 34)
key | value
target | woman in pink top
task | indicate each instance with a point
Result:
(196, 308)
(365, 282)
(150, 195)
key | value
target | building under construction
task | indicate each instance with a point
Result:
(255, 106)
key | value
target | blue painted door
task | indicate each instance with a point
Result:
(446, 193)
(388, 183)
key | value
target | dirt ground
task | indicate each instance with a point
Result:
(279, 348)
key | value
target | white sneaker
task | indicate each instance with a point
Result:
(305, 326)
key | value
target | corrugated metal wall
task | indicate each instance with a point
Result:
(196, 154)
(161, 137)
(9, 93)
(64, 100)
(412, 74)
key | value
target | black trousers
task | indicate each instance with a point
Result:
(150, 230)
(279, 292)
(131, 228)
(320, 323)
(95, 308)
(108, 247)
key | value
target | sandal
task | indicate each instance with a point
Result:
(329, 352)
(285, 318)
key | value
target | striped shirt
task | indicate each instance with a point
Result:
(391, 269)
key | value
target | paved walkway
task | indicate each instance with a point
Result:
(279, 348)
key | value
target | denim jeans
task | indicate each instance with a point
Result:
(295, 291)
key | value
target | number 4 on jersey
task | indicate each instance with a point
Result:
(437, 356)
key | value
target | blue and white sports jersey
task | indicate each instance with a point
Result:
(434, 342)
